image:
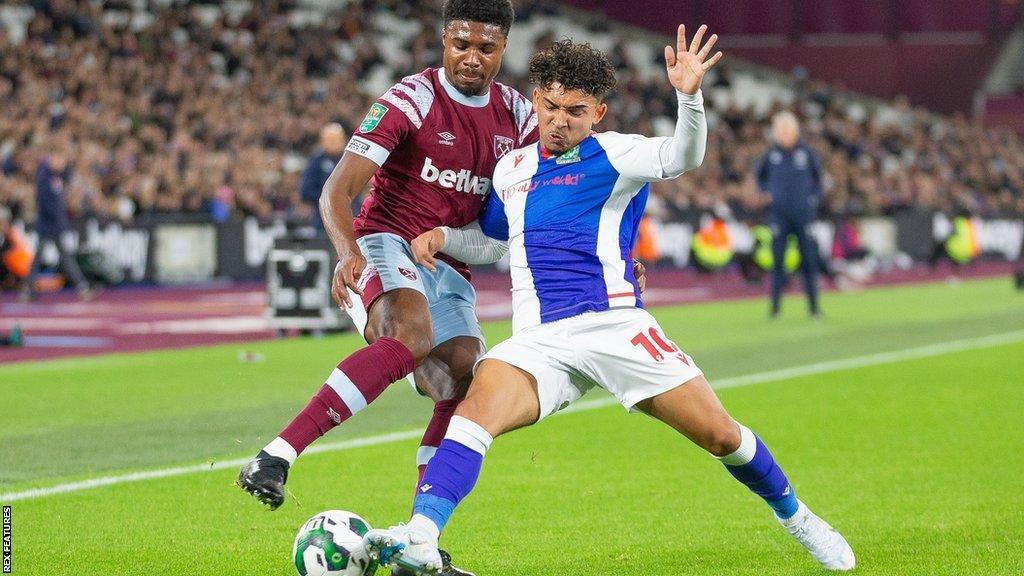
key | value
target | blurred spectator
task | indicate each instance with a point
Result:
(791, 173)
(319, 168)
(51, 181)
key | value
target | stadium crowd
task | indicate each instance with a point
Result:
(205, 109)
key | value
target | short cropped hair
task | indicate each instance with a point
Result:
(497, 12)
(574, 65)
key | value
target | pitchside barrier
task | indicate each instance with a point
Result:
(180, 250)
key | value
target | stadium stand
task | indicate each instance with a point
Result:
(209, 108)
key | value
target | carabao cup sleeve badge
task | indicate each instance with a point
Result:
(373, 117)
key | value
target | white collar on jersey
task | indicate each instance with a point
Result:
(454, 94)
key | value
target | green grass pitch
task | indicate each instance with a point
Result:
(918, 460)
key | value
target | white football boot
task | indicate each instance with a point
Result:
(823, 542)
(406, 547)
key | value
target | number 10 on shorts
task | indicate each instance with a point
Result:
(652, 337)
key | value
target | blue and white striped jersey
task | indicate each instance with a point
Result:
(571, 221)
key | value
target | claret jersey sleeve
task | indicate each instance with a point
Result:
(391, 119)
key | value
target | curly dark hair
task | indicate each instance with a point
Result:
(576, 66)
(497, 12)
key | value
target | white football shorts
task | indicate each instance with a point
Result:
(622, 350)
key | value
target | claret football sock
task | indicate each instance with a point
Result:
(753, 465)
(434, 434)
(452, 471)
(356, 382)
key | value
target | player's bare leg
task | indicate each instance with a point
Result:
(694, 410)
(400, 335)
(402, 314)
(445, 376)
(501, 398)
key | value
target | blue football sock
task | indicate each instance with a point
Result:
(753, 465)
(452, 472)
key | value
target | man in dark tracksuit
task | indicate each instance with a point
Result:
(51, 222)
(319, 168)
(791, 173)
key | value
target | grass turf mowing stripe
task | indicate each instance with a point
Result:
(747, 380)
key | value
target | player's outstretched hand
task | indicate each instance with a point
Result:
(686, 65)
(346, 276)
(425, 246)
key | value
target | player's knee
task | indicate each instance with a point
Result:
(447, 391)
(402, 315)
(440, 387)
(416, 337)
(460, 384)
(722, 438)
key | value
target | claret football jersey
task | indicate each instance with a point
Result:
(437, 149)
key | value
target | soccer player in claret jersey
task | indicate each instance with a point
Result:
(564, 208)
(430, 144)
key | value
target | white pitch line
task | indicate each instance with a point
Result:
(182, 470)
(928, 351)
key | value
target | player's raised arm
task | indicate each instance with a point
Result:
(664, 158)
(685, 68)
(347, 180)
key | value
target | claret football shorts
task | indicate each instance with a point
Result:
(389, 265)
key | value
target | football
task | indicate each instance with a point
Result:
(331, 544)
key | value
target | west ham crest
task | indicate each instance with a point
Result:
(502, 146)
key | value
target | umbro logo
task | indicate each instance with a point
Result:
(425, 488)
(446, 138)
(519, 158)
(334, 416)
(407, 273)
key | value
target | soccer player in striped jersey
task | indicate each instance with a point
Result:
(565, 210)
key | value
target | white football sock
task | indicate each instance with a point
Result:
(282, 449)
